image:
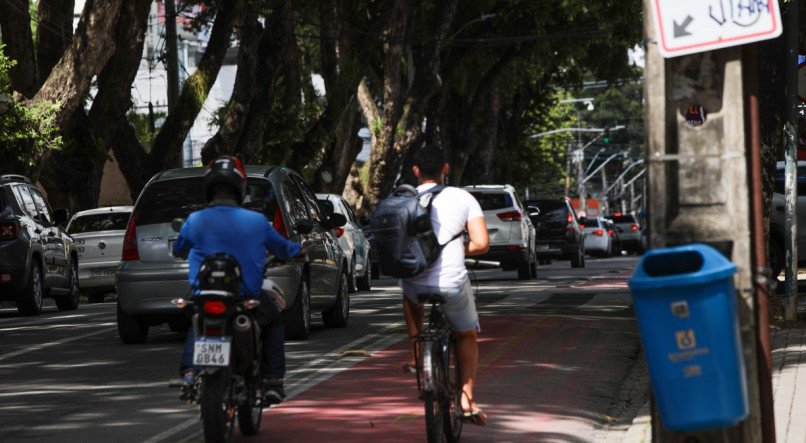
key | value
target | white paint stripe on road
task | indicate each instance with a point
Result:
(45, 319)
(318, 376)
(51, 344)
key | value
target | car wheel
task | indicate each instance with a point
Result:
(339, 314)
(533, 268)
(352, 280)
(132, 329)
(776, 257)
(30, 301)
(95, 296)
(376, 271)
(365, 282)
(578, 260)
(297, 318)
(524, 270)
(70, 301)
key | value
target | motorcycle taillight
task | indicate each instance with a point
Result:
(215, 307)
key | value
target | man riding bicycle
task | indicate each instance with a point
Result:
(247, 235)
(453, 211)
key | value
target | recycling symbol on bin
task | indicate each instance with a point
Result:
(686, 339)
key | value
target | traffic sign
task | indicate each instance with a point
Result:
(691, 26)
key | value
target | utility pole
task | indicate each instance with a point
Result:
(791, 165)
(171, 54)
(605, 204)
(583, 191)
(698, 186)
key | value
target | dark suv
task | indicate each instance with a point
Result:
(559, 234)
(38, 258)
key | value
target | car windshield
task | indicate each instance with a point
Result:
(549, 209)
(111, 221)
(493, 200)
(623, 219)
(327, 206)
(166, 200)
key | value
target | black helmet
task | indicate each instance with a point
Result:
(227, 170)
(220, 271)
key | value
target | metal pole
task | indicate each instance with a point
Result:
(171, 54)
(605, 205)
(790, 157)
(583, 195)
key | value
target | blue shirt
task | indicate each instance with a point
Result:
(240, 232)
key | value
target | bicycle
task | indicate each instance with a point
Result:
(438, 374)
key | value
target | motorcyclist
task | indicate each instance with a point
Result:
(247, 235)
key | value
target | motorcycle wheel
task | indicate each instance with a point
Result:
(250, 414)
(217, 409)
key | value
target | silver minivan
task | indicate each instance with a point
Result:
(149, 277)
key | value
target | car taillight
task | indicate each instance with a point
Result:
(130, 251)
(570, 218)
(634, 227)
(8, 231)
(215, 307)
(510, 216)
(339, 231)
(513, 248)
(598, 232)
(610, 232)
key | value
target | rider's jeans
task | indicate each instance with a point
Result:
(273, 337)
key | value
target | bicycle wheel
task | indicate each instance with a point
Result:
(434, 412)
(452, 404)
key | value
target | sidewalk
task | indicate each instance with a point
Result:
(788, 384)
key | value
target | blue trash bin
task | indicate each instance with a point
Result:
(685, 304)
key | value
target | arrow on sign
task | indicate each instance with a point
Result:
(680, 30)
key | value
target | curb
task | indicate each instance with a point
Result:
(640, 431)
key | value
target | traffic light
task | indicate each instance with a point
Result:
(606, 136)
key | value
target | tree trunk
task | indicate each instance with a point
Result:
(340, 156)
(166, 151)
(53, 33)
(225, 139)
(15, 23)
(88, 52)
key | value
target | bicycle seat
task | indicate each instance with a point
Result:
(430, 298)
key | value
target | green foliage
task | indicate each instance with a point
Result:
(141, 124)
(27, 130)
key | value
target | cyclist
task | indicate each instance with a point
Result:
(224, 226)
(453, 211)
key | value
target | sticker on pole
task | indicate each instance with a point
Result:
(692, 26)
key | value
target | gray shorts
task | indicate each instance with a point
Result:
(459, 308)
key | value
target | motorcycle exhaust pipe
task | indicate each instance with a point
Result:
(242, 323)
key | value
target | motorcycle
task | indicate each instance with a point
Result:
(226, 352)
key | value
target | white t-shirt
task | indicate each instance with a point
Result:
(450, 212)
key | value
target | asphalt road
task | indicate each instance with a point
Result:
(559, 361)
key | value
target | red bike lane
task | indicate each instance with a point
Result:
(534, 379)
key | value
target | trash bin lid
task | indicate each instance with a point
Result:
(685, 265)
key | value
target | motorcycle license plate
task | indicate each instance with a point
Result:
(211, 351)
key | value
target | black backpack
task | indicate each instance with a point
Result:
(404, 235)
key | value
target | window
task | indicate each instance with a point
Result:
(623, 219)
(25, 200)
(111, 221)
(348, 212)
(328, 206)
(489, 200)
(293, 200)
(44, 210)
(164, 201)
(313, 203)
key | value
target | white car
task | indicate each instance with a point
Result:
(512, 234)
(597, 239)
(776, 246)
(352, 241)
(98, 234)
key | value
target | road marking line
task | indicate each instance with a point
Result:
(51, 344)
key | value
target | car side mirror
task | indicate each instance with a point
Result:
(532, 211)
(337, 220)
(176, 224)
(303, 227)
(60, 216)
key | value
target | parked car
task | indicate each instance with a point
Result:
(629, 232)
(512, 234)
(776, 246)
(149, 277)
(38, 259)
(352, 241)
(597, 241)
(558, 232)
(374, 260)
(98, 234)
(615, 238)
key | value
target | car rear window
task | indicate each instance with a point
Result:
(166, 200)
(493, 200)
(623, 219)
(549, 208)
(112, 221)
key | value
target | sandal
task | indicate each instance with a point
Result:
(477, 417)
(409, 368)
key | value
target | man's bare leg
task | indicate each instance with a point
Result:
(468, 353)
(414, 314)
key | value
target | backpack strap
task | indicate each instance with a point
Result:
(434, 190)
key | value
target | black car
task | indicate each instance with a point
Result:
(559, 234)
(38, 259)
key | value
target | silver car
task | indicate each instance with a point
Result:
(149, 277)
(597, 239)
(98, 234)
(352, 241)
